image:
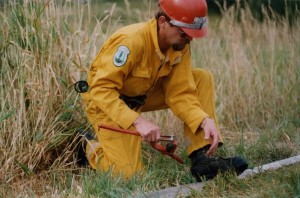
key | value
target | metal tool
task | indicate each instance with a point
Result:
(168, 149)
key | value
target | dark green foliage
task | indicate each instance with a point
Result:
(260, 9)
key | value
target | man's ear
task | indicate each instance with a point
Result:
(162, 22)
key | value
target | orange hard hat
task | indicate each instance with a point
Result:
(189, 15)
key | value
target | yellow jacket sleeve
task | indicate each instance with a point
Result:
(106, 78)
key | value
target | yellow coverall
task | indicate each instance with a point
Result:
(130, 63)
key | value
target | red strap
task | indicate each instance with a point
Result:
(118, 130)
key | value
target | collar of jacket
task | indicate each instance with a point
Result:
(173, 56)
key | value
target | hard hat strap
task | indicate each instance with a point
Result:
(198, 23)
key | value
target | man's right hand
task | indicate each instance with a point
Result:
(150, 132)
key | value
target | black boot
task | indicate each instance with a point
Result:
(84, 137)
(205, 167)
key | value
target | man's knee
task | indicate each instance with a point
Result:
(202, 77)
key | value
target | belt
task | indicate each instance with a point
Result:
(134, 102)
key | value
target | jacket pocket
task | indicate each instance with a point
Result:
(141, 71)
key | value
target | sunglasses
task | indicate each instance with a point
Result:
(182, 33)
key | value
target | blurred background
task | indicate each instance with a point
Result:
(282, 7)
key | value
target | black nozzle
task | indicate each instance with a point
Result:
(170, 147)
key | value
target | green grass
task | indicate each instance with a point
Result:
(284, 182)
(46, 46)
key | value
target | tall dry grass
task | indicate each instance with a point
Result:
(256, 67)
(45, 46)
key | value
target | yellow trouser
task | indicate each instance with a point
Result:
(122, 153)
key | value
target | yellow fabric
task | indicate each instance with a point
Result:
(146, 71)
(118, 152)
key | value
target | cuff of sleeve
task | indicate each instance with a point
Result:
(195, 121)
(126, 118)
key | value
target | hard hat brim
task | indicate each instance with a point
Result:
(195, 33)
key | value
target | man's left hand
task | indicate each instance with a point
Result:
(211, 133)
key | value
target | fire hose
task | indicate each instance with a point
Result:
(168, 150)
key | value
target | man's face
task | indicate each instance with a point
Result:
(172, 36)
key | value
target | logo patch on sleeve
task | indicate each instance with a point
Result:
(121, 55)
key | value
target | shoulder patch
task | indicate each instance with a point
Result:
(121, 55)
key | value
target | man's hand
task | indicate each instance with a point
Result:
(210, 133)
(150, 132)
